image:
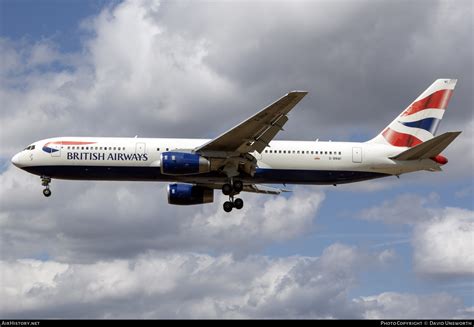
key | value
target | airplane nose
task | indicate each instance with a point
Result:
(16, 160)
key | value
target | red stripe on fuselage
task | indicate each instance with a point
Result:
(70, 143)
(400, 139)
(437, 100)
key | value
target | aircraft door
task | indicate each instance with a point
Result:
(140, 148)
(356, 155)
(55, 149)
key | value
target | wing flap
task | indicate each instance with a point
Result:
(262, 141)
(252, 188)
(256, 188)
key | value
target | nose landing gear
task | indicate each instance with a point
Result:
(232, 189)
(45, 181)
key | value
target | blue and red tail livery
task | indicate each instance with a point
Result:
(420, 120)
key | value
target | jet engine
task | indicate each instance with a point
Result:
(183, 163)
(186, 194)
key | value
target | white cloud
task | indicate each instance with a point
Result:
(442, 238)
(190, 285)
(86, 221)
(130, 64)
(392, 305)
(183, 285)
(405, 209)
(460, 153)
(171, 67)
(444, 246)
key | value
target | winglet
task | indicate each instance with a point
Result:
(298, 92)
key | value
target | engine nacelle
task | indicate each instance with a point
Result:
(186, 194)
(182, 163)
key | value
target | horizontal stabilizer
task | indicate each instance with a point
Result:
(428, 149)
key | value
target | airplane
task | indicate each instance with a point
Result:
(246, 157)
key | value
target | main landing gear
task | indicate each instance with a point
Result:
(45, 182)
(232, 189)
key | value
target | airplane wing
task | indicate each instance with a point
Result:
(255, 133)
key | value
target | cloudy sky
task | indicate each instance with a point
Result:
(391, 248)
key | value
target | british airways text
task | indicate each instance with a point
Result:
(104, 156)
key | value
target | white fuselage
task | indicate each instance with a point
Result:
(292, 162)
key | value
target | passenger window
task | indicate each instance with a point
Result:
(158, 149)
(330, 152)
(339, 152)
(325, 152)
(166, 149)
(279, 151)
(100, 148)
(82, 148)
(115, 148)
(312, 152)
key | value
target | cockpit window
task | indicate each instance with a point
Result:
(31, 147)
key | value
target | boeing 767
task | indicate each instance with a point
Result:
(246, 156)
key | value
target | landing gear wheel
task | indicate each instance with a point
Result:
(228, 206)
(238, 204)
(227, 189)
(238, 187)
(45, 180)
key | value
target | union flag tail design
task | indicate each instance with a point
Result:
(419, 121)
